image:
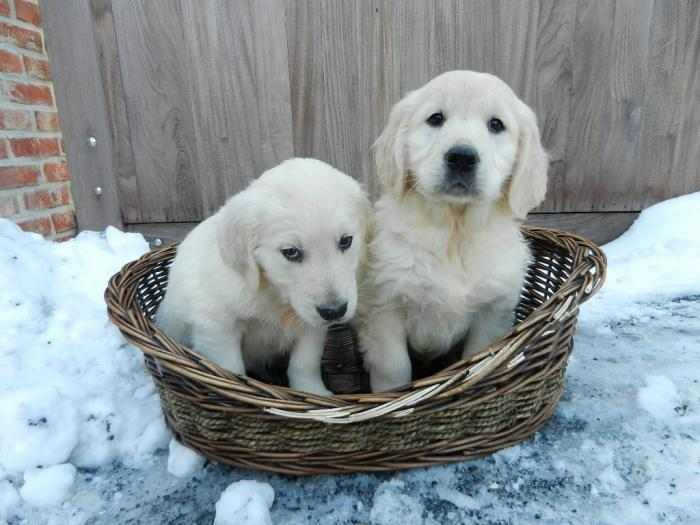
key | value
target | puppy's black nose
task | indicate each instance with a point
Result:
(462, 159)
(332, 312)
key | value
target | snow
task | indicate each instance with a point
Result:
(457, 498)
(392, 506)
(660, 398)
(9, 499)
(47, 487)
(39, 428)
(652, 261)
(183, 462)
(245, 503)
(71, 389)
(622, 448)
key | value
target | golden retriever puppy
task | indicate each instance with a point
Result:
(271, 271)
(461, 164)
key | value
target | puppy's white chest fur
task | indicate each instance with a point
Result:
(440, 278)
(437, 311)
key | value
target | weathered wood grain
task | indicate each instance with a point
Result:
(610, 43)
(203, 96)
(599, 227)
(151, 40)
(115, 99)
(499, 37)
(553, 85)
(334, 63)
(237, 67)
(208, 99)
(82, 108)
(670, 151)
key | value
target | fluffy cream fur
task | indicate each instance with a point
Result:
(449, 265)
(237, 300)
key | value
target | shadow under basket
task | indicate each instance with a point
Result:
(468, 409)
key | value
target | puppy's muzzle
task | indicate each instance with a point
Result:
(461, 162)
(332, 312)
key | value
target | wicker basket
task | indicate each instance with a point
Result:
(466, 410)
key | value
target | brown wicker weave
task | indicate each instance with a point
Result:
(467, 410)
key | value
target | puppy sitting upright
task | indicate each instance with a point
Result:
(270, 271)
(461, 164)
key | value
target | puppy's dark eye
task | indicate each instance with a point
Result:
(436, 119)
(345, 242)
(496, 125)
(292, 254)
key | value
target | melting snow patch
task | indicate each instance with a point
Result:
(48, 487)
(392, 506)
(245, 503)
(39, 428)
(9, 499)
(71, 389)
(659, 397)
(459, 500)
(183, 461)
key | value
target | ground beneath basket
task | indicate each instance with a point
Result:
(622, 448)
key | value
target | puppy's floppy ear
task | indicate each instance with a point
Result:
(236, 235)
(528, 183)
(389, 149)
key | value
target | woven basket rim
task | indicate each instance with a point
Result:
(585, 279)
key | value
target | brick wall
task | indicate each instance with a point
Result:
(34, 178)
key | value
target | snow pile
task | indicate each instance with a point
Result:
(9, 500)
(72, 392)
(660, 398)
(458, 499)
(46, 487)
(656, 259)
(392, 506)
(245, 503)
(183, 462)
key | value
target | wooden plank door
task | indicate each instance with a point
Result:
(193, 98)
(207, 94)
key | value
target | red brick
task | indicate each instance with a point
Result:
(5, 7)
(10, 62)
(62, 195)
(21, 37)
(42, 199)
(29, 93)
(37, 68)
(47, 121)
(3, 149)
(41, 225)
(63, 221)
(28, 12)
(15, 119)
(56, 171)
(34, 147)
(18, 176)
(8, 207)
(38, 199)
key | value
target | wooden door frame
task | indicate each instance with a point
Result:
(82, 106)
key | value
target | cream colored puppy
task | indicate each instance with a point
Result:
(271, 271)
(461, 164)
